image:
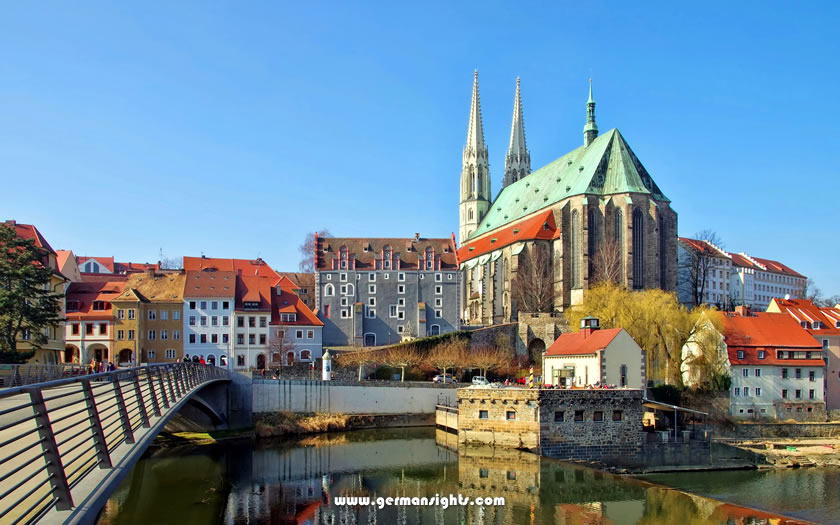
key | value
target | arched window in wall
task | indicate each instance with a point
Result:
(329, 290)
(663, 238)
(592, 241)
(618, 238)
(575, 249)
(470, 214)
(638, 249)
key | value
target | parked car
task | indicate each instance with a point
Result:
(480, 380)
(444, 378)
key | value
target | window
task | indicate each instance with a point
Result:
(203, 320)
(812, 376)
(176, 315)
(371, 313)
(240, 322)
(510, 415)
(558, 416)
(99, 305)
(131, 313)
(240, 339)
(342, 277)
(214, 320)
(762, 354)
(305, 355)
(746, 390)
(240, 360)
(392, 310)
(757, 372)
(345, 313)
(400, 288)
(203, 338)
(438, 314)
(263, 322)
(438, 277)
(170, 353)
(482, 414)
(345, 301)
(511, 475)
(797, 394)
(252, 321)
(578, 416)
(401, 301)
(387, 276)
(784, 373)
(164, 315)
(75, 329)
(176, 335)
(371, 301)
(784, 394)
(151, 335)
(598, 415)
(401, 276)
(192, 320)
(798, 373)
(740, 354)
(327, 311)
(745, 372)
(825, 344)
(214, 338)
(371, 288)
(262, 339)
(438, 302)
(152, 315)
(737, 391)
(120, 334)
(638, 249)
(812, 394)
(164, 334)
(758, 391)
(329, 290)
(299, 334)
(120, 312)
(400, 329)
(400, 315)
(88, 329)
(225, 320)
(225, 305)
(204, 305)
(438, 290)
(151, 355)
(623, 374)
(225, 338)
(371, 276)
(192, 305)
(214, 305)
(617, 415)
(131, 335)
(435, 329)
(252, 339)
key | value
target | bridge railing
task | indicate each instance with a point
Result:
(19, 375)
(54, 434)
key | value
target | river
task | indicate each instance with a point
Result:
(302, 481)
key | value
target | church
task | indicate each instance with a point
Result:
(593, 214)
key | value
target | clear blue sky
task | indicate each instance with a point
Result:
(232, 129)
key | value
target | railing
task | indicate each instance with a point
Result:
(54, 434)
(19, 375)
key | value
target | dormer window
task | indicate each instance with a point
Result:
(817, 325)
(740, 354)
(72, 306)
(99, 305)
(804, 324)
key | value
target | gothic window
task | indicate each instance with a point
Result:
(472, 180)
(638, 249)
(662, 256)
(618, 237)
(470, 214)
(592, 240)
(575, 249)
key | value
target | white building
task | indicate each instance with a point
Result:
(704, 270)
(209, 300)
(755, 281)
(594, 357)
(252, 315)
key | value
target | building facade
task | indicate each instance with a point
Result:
(303, 285)
(209, 300)
(594, 213)
(296, 332)
(704, 275)
(756, 281)
(89, 331)
(251, 318)
(373, 292)
(823, 323)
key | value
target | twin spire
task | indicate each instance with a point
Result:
(475, 133)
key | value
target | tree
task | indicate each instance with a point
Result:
(358, 358)
(278, 348)
(402, 356)
(447, 355)
(696, 263)
(832, 301)
(487, 358)
(307, 251)
(533, 286)
(27, 304)
(811, 291)
(171, 263)
(606, 263)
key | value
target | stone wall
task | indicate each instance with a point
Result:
(783, 430)
(569, 426)
(483, 417)
(487, 336)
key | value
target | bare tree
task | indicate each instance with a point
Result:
(533, 286)
(307, 251)
(488, 358)
(696, 262)
(402, 357)
(606, 263)
(278, 348)
(811, 292)
(171, 263)
(358, 358)
(447, 355)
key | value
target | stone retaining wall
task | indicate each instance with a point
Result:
(792, 430)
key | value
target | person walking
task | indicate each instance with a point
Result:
(92, 365)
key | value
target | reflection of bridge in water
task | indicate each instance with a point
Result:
(66, 444)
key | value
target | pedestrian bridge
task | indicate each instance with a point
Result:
(65, 445)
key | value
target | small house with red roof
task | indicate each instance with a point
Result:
(593, 357)
(823, 323)
(296, 332)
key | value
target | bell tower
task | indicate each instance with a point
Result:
(475, 173)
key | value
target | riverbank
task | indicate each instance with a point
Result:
(794, 452)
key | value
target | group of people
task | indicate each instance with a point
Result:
(96, 367)
(195, 359)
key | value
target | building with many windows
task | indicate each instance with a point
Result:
(148, 317)
(373, 292)
(823, 323)
(251, 316)
(704, 273)
(756, 281)
(209, 300)
(296, 332)
(89, 330)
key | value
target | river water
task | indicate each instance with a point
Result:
(303, 481)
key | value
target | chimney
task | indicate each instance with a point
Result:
(416, 237)
(742, 310)
(588, 325)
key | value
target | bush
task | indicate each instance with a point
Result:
(667, 394)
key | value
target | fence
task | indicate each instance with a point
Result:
(54, 434)
(19, 375)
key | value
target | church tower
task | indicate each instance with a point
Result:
(590, 130)
(475, 172)
(518, 159)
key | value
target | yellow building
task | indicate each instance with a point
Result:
(51, 352)
(148, 318)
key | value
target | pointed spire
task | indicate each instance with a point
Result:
(475, 133)
(590, 130)
(518, 160)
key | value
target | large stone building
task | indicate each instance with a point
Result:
(372, 292)
(596, 203)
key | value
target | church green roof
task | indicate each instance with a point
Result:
(607, 167)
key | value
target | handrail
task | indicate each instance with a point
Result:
(56, 433)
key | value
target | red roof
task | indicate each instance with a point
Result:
(539, 226)
(85, 293)
(578, 343)
(766, 265)
(250, 289)
(768, 332)
(210, 284)
(117, 268)
(807, 311)
(107, 262)
(61, 257)
(406, 254)
(704, 247)
(245, 267)
(28, 231)
(285, 301)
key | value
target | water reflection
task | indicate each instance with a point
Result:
(299, 482)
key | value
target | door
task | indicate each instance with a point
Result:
(261, 361)
(290, 358)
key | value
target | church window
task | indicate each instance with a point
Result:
(662, 255)
(592, 241)
(470, 214)
(575, 250)
(638, 249)
(618, 237)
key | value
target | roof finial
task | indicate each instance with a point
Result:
(590, 130)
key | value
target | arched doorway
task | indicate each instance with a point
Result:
(125, 357)
(290, 358)
(97, 352)
(211, 359)
(536, 348)
(223, 361)
(71, 354)
(261, 361)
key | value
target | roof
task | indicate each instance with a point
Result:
(61, 257)
(767, 265)
(285, 301)
(578, 343)
(768, 332)
(704, 247)
(539, 226)
(117, 268)
(247, 267)
(804, 310)
(210, 283)
(157, 288)
(28, 231)
(300, 279)
(254, 289)
(366, 251)
(607, 166)
(107, 262)
(85, 293)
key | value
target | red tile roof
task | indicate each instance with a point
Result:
(578, 343)
(85, 293)
(251, 289)
(244, 267)
(28, 231)
(107, 262)
(117, 268)
(61, 257)
(210, 284)
(366, 251)
(285, 301)
(805, 310)
(704, 247)
(768, 332)
(539, 226)
(766, 265)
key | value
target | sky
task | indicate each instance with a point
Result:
(231, 129)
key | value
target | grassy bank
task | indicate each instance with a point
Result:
(291, 424)
(173, 439)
